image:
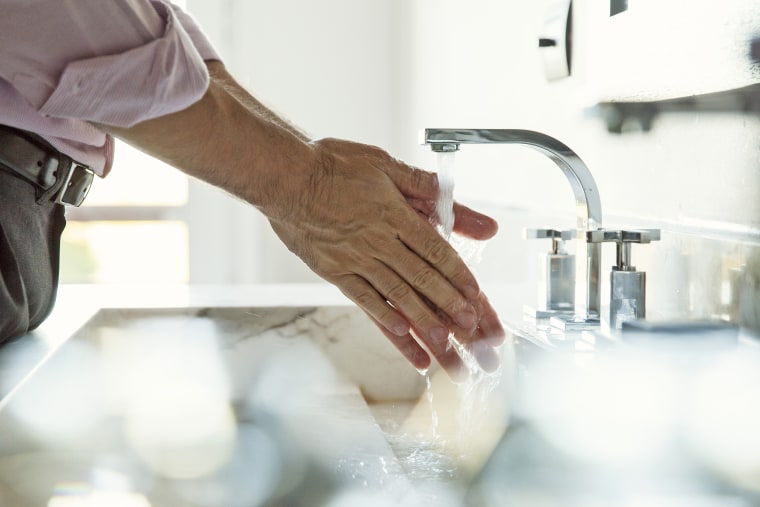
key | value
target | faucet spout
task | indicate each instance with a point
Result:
(588, 203)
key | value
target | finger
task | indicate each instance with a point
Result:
(481, 346)
(407, 302)
(408, 347)
(446, 356)
(472, 224)
(426, 325)
(436, 251)
(436, 290)
(480, 343)
(413, 182)
(428, 329)
(467, 221)
(488, 357)
(367, 298)
(426, 207)
(490, 328)
(421, 190)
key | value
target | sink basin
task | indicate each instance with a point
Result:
(353, 345)
(230, 406)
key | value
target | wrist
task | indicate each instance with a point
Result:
(283, 174)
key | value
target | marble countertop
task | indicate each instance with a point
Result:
(298, 362)
(423, 446)
(77, 304)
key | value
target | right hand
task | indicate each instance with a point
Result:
(364, 222)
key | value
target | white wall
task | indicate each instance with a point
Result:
(325, 66)
(694, 175)
(378, 71)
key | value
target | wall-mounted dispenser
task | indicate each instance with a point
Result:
(618, 6)
(556, 40)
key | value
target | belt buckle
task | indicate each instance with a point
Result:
(76, 185)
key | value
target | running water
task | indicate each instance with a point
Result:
(453, 427)
(445, 205)
(434, 414)
(479, 384)
(469, 250)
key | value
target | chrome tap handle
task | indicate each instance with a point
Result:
(556, 290)
(627, 286)
(623, 239)
(549, 233)
(619, 235)
(640, 235)
(558, 237)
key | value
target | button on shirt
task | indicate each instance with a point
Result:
(64, 64)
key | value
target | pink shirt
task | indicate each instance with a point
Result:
(116, 62)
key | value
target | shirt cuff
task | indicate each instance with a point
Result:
(164, 76)
(200, 41)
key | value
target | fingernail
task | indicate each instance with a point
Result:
(488, 358)
(470, 291)
(400, 329)
(467, 319)
(421, 360)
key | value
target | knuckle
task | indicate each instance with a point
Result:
(417, 176)
(398, 292)
(424, 279)
(394, 214)
(437, 252)
(451, 304)
(384, 314)
(365, 299)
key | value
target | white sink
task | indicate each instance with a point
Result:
(227, 405)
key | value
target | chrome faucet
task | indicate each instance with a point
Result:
(588, 204)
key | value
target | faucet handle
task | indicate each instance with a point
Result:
(627, 286)
(623, 236)
(557, 273)
(640, 236)
(623, 239)
(558, 237)
(548, 233)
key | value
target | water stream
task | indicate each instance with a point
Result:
(479, 385)
(445, 204)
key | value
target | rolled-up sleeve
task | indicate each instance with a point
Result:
(119, 62)
(200, 41)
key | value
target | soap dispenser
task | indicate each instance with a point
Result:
(627, 285)
(556, 290)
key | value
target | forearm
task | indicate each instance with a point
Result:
(221, 77)
(230, 140)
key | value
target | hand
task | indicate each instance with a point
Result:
(359, 218)
(364, 222)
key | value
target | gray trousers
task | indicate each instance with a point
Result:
(30, 234)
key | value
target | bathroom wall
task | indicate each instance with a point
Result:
(325, 66)
(695, 174)
(379, 71)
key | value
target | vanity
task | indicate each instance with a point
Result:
(287, 395)
(257, 395)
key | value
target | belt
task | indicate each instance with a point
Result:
(52, 172)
